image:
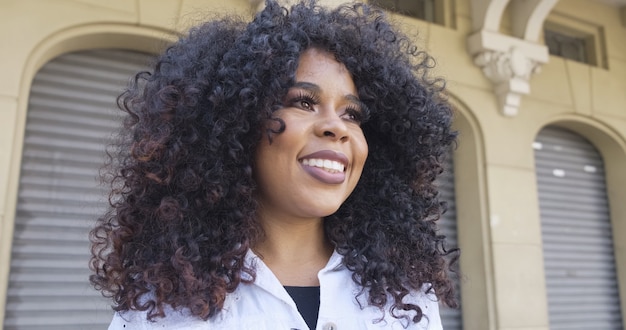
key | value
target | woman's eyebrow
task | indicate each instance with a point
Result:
(355, 99)
(308, 86)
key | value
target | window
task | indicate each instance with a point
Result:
(422, 9)
(570, 47)
(575, 40)
(434, 11)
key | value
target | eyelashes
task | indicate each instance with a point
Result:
(355, 114)
(306, 100)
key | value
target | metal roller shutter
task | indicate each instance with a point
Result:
(576, 232)
(70, 118)
(451, 318)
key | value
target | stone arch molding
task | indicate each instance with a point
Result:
(85, 37)
(509, 60)
(93, 36)
(478, 302)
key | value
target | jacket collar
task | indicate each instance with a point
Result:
(266, 280)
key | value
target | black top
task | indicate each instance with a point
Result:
(307, 299)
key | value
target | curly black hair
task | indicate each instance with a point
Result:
(183, 212)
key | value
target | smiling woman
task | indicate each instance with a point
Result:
(279, 174)
(311, 167)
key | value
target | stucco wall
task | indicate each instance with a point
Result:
(498, 211)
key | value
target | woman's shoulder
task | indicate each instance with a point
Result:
(264, 304)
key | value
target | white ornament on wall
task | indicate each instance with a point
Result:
(510, 73)
(509, 61)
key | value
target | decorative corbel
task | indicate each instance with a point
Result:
(510, 73)
(509, 60)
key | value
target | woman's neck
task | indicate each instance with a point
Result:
(295, 249)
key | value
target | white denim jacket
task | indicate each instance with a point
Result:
(266, 305)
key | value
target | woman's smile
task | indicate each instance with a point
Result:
(326, 165)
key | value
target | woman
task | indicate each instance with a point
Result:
(279, 175)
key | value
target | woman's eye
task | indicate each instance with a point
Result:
(354, 115)
(306, 104)
(304, 101)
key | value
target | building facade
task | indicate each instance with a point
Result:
(539, 174)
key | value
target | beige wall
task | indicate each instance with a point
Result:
(498, 212)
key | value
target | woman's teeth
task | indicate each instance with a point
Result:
(326, 164)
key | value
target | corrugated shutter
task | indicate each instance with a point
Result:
(71, 115)
(451, 318)
(576, 232)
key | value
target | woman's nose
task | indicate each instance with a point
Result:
(331, 125)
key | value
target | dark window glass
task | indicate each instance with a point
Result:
(570, 47)
(421, 9)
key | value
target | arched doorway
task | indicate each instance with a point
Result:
(576, 230)
(71, 116)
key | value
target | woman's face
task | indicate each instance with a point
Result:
(311, 168)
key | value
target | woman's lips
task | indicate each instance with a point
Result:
(327, 166)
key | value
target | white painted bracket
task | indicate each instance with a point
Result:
(509, 63)
(509, 60)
